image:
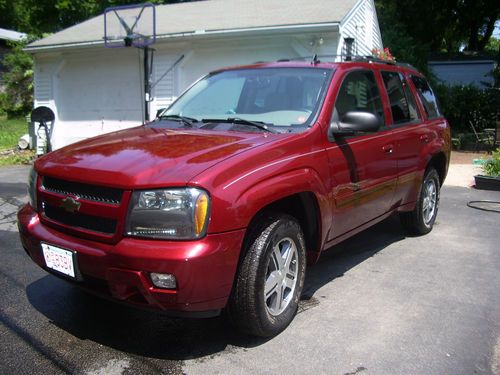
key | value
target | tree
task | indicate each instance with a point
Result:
(415, 28)
(17, 99)
(478, 19)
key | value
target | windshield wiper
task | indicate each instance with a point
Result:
(188, 121)
(241, 121)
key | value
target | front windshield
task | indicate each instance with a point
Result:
(279, 97)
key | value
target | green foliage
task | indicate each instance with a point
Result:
(413, 29)
(493, 47)
(492, 166)
(18, 96)
(19, 157)
(10, 131)
(461, 104)
(396, 36)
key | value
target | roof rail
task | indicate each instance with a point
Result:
(370, 59)
(381, 61)
(373, 59)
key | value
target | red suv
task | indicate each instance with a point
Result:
(253, 172)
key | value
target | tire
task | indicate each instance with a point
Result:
(421, 220)
(275, 259)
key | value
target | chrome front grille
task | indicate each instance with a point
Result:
(83, 191)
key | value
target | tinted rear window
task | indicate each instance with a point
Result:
(403, 105)
(427, 97)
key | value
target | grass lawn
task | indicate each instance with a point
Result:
(10, 131)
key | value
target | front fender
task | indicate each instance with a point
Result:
(252, 199)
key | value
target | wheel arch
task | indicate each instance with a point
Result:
(304, 207)
(439, 162)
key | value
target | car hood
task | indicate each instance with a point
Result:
(146, 156)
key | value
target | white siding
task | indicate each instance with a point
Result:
(90, 92)
(165, 90)
(362, 25)
(99, 90)
(43, 87)
(43, 80)
(376, 35)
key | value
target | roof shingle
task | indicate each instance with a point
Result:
(214, 15)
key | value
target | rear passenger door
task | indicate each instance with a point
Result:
(410, 135)
(362, 166)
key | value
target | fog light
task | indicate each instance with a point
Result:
(163, 280)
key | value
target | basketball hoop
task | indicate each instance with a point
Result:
(130, 26)
(133, 26)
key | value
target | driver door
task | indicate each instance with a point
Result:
(363, 166)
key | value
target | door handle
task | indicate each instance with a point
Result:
(388, 149)
(424, 138)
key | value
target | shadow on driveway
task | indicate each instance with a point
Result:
(154, 335)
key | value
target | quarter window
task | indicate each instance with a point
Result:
(403, 105)
(427, 97)
(359, 92)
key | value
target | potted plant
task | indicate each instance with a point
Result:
(491, 178)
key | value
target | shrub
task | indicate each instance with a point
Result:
(17, 100)
(461, 104)
(492, 166)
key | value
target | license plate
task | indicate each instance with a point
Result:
(58, 259)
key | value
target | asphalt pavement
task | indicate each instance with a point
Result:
(379, 303)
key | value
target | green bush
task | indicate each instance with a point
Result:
(492, 166)
(461, 104)
(17, 100)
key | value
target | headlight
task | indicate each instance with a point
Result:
(169, 214)
(32, 181)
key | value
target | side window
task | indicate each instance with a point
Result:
(359, 92)
(403, 105)
(427, 97)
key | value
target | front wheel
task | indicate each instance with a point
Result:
(270, 278)
(422, 218)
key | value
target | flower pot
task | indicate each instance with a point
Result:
(487, 182)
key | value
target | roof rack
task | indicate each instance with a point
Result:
(372, 59)
(315, 59)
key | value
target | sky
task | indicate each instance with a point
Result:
(496, 33)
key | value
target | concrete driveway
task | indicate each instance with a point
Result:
(379, 303)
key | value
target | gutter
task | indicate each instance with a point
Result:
(198, 34)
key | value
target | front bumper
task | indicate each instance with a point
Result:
(204, 269)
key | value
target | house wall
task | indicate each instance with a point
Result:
(90, 92)
(361, 23)
(99, 90)
(201, 58)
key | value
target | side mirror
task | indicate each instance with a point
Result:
(354, 122)
(159, 112)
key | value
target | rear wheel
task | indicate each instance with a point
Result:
(422, 218)
(270, 277)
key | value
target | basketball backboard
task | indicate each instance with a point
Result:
(130, 26)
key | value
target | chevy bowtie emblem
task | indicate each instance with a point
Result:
(70, 205)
